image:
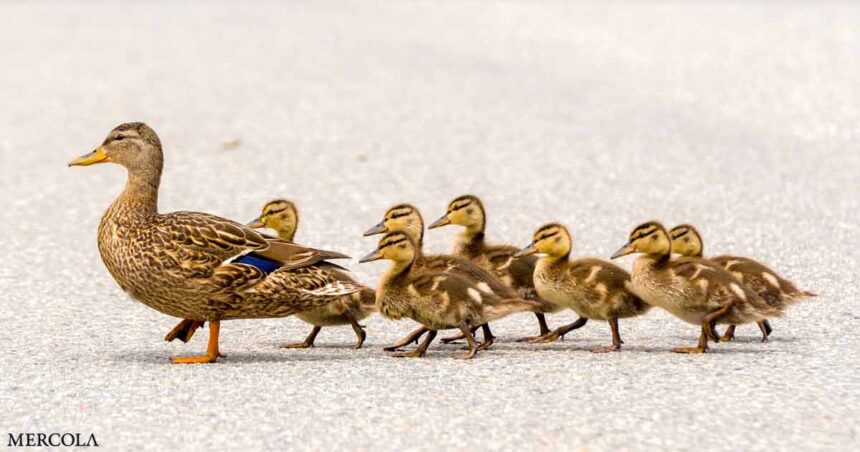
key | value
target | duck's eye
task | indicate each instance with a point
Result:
(119, 137)
(653, 237)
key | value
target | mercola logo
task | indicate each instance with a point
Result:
(52, 440)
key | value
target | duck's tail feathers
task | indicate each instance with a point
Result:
(809, 293)
(334, 289)
(184, 330)
(507, 307)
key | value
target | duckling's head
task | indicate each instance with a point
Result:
(394, 246)
(552, 239)
(280, 215)
(466, 211)
(133, 145)
(401, 218)
(686, 241)
(647, 238)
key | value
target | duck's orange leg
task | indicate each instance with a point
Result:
(212, 352)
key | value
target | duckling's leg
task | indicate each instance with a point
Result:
(308, 342)
(488, 337)
(212, 352)
(473, 345)
(183, 330)
(457, 337)
(765, 328)
(729, 334)
(544, 328)
(560, 332)
(421, 350)
(703, 343)
(616, 338)
(359, 332)
(413, 337)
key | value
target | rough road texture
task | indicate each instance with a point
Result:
(742, 119)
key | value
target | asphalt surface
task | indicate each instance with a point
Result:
(740, 118)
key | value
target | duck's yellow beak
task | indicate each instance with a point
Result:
(529, 250)
(380, 228)
(257, 223)
(374, 256)
(444, 221)
(623, 251)
(97, 156)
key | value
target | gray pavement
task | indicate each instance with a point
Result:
(741, 118)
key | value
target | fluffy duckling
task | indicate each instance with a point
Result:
(776, 291)
(692, 289)
(468, 211)
(436, 300)
(282, 216)
(407, 219)
(593, 288)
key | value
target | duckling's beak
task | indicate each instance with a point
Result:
(374, 256)
(529, 250)
(623, 251)
(380, 228)
(256, 224)
(444, 221)
(97, 156)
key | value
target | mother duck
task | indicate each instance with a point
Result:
(197, 266)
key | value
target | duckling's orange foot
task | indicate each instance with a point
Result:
(471, 354)
(412, 354)
(727, 338)
(529, 338)
(611, 348)
(202, 359)
(689, 350)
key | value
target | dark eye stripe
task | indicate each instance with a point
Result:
(399, 214)
(393, 242)
(460, 207)
(546, 236)
(272, 212)
(643, 234)
(680, 233)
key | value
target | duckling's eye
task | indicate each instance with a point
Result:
(469, 211)
(119, 137)
(654, 237)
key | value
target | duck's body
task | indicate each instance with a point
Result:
(282, 216)
(593, 288)
(436, 300)
(518, 273)
(692, 289)
(194, 265)
(777, 292)
(407, 219)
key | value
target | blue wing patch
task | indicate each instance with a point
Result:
(263, 264)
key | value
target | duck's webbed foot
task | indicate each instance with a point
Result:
(212, 352)
(729, 334)
(473, 345)
(412, 337)
(703, 342)
(489, 339)
(544, 329)
(421, 350)
(184, 330)
(559, 332)
(308, 342)
(616, 338)
(458, 337)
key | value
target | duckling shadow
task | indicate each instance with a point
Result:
(156, 357)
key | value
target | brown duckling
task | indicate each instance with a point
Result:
(282, 216)
(406, 218)
(593, 288)
(690, 288)
(468, 211)
(436, 300)
(776, 291)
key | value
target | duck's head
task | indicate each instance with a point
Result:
(279, 215)
(552, 239)
(686, 241)
(466, 211)
(133, 145)
(401, 218)
(647, 238)
(394, 246)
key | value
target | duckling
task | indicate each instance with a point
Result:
(593, 288)
(194, 265)
(406, 218)
(518, 273)
(436, 300)
(282, 216)
(778, 292)
(690, 288)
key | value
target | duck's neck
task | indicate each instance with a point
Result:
(470, 241)
(139, 200)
